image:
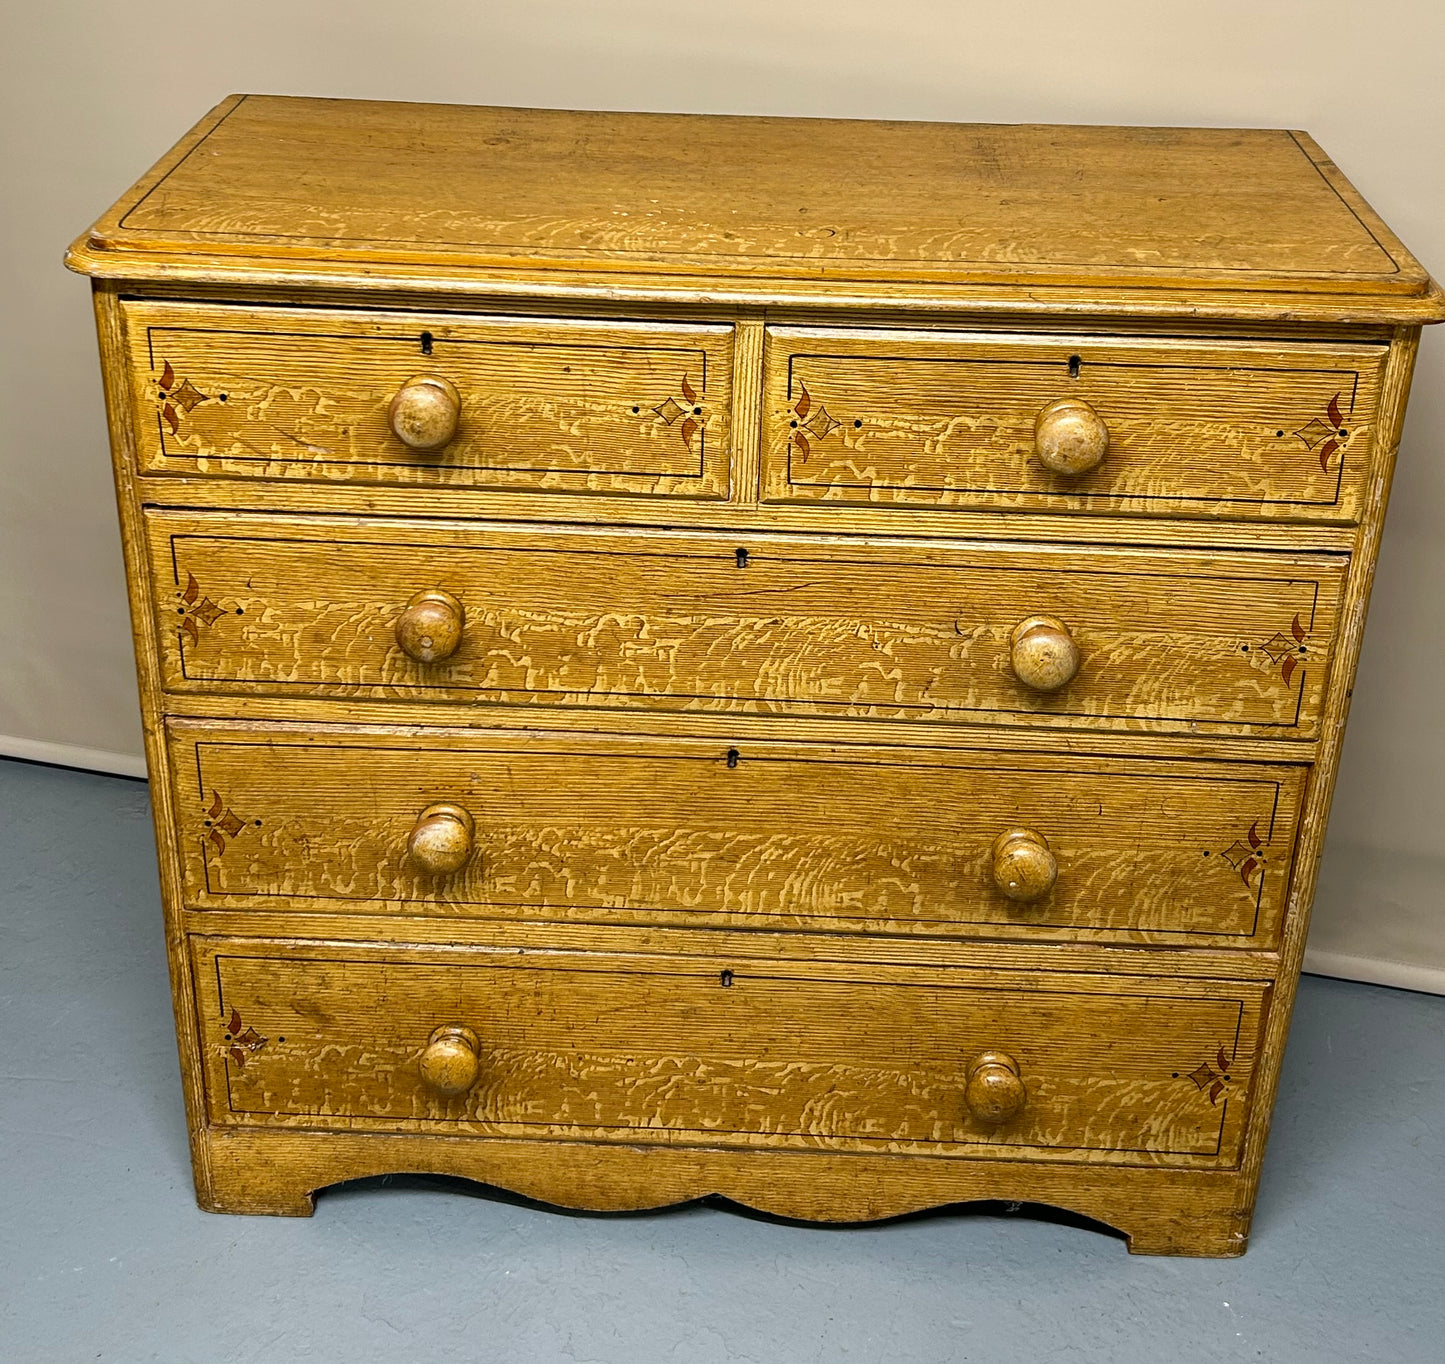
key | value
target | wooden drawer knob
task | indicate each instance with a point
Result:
(451, 1059)
(1070, 438)
(425, 412)
(441, 840)
(1043, 653)
(994, 1093)
(1023, 867)
(430, 628)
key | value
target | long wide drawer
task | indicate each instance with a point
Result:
(615, 830)
(550, 405)
(727, 1052)
(1233, 643)
(1239, 429)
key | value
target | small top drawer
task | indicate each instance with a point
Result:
(494, 402)
(1248, 430)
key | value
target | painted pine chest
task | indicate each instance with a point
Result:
(789, 659)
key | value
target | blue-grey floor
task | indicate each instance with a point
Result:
(104, 1256)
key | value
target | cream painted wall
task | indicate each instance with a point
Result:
(92, 92)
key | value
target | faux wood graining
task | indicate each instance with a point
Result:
(1120, 207)
(558, 405)
(308, 606)
(593, 828)
(734, 1052)
(1166, 1212)
(947, 419)
(715, 889)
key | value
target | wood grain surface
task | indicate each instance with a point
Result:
(307, 606)
(274, 178)
(657, 1050)
(292, 393)
(604, 829)
(1159, 1209)
(1245, 430)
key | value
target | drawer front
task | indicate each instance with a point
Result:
(1195, 428)
(1167, 640)
(693, 833)
(568, 406)
(730, 1052)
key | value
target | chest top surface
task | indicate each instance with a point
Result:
(354, 191)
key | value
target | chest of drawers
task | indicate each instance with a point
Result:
(794, 660)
